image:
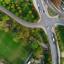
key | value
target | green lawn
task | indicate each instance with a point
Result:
(24, 9)
(62, 60)
(11, 50)
(60, 36)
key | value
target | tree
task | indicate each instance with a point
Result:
(7, 1)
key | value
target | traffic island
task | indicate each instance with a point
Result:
(52, 12)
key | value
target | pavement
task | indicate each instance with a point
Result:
(45, 23)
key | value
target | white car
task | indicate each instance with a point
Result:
(29, 62)
(53, 37)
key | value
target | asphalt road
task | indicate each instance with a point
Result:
(48, 23)
(45, 22)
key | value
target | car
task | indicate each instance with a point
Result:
(43, 11)
(53, 37)
(29, 62)
(39, 7)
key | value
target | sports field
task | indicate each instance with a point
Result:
(60, 36)
(60, 39)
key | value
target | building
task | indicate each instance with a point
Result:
(57, 3)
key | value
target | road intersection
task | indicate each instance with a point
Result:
(45, 23)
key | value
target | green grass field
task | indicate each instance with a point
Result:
(10, 49)
(62, 60)
(60, 36)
